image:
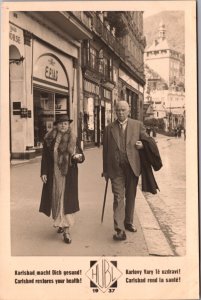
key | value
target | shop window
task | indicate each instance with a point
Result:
(47, 106)
(134, 109)
(43, 115)
(61, 103)
(108, 113)
(88, 130)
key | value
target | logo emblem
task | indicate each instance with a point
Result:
(103, 274)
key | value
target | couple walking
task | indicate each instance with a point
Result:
(122, 143)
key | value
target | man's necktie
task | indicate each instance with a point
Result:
(122, 138)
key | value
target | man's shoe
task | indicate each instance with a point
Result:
(130, 228)
(119, 236)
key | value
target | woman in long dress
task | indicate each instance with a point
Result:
(59, 174)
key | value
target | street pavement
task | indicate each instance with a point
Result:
(32, 233)
(169, 205)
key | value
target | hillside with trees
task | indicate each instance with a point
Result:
(175, 26)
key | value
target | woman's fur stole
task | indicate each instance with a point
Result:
(65, 149)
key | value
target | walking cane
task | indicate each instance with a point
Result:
(104, 199)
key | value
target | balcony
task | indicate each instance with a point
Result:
(107, 36)
(125, 55)
(90, 62)
(96, 65)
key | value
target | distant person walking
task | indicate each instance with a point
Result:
(176, 132)
(59, 174)
(184, 134)
(148, 130)
(179, 132)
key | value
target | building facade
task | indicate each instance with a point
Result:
(76, 63)
(163, 59)
(165, 82)
(112, 66)
(44, 75)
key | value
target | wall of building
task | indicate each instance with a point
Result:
(160, 64)
(36, 40)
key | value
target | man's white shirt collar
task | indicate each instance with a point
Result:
(124, 122)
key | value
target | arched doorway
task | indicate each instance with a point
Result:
(16, 95)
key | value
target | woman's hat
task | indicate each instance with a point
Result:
(62, 118)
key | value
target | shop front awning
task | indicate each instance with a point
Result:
(177, 111)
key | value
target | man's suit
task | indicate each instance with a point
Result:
(124, 175)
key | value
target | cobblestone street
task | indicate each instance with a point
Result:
(169, 205)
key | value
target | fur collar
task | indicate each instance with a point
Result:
(66, 147)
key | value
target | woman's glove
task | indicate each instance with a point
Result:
(77, 158)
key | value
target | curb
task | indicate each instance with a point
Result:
(21, 162)
(156, 241)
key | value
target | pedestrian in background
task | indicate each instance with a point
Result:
(184, 134)
(148, 130)
(176, 132)
(179, 132)
(59, 174)
(121, 164)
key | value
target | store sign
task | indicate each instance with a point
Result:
(91, 87)
(15, 35)
(128, 80)
(49, 69)
(51, 73)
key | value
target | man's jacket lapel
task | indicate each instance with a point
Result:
(130, 132)
(115, 133)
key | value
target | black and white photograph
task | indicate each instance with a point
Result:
(100, 106)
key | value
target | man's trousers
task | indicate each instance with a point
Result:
(124, 189)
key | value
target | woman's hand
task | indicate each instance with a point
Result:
(44, 178)
(78, 157)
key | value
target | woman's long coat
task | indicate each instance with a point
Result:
(71, 202)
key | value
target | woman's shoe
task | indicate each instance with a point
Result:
(60, 230)
(67, 238)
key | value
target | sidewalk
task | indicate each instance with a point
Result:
(32, 232)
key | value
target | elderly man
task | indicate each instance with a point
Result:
(121, 164)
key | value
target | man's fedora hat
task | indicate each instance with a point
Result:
(62, 118)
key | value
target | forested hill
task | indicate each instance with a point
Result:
(174, 23)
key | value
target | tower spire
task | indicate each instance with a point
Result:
(162, 31)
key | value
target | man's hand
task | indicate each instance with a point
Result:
(139, 145)
(105, 175)
(44, 178)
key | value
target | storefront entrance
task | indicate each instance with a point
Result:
(47, 106)
(16, 97)
(132, 99)
(50, 94)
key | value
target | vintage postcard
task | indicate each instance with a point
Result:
(99, 150)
